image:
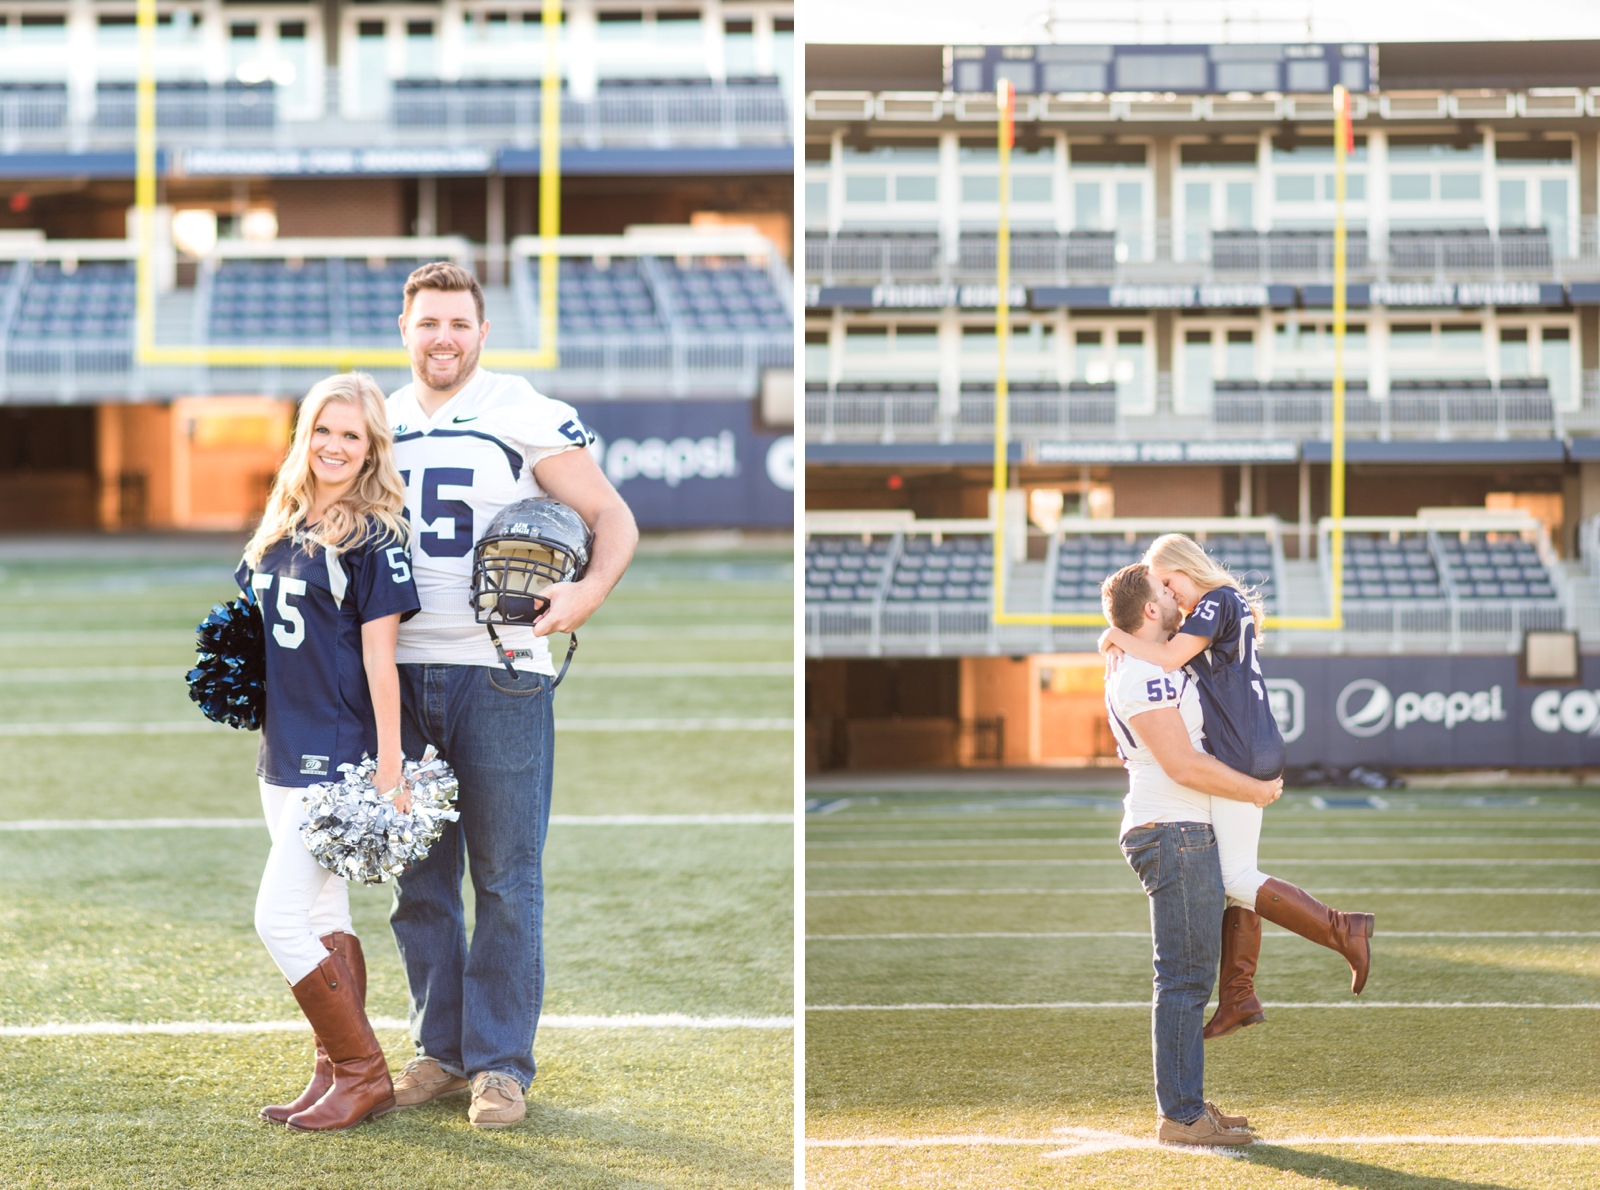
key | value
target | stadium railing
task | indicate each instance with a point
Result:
(888, 410)
(662, 112)
(886, 582)
(1495, 575)
(888, 255)
(720, 308)
(66, 318)
(656, 113)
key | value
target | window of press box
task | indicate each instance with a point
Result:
(819, 150)
(369, 29)
(866, 340)
(291, 30)
(987, 149)
(1218, 155)
(1534, 152)
(1313, 150)
(1104, 155)
(242, 31)
(893, 149)
(1440, 149)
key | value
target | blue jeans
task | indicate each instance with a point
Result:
(475, 1008)
(1177, 864)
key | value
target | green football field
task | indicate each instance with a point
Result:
(666, 1055)
(978, 986)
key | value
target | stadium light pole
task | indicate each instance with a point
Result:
(1343, 139)
(147, 351)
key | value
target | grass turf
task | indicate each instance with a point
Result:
(155, 924)
(1308, 1072)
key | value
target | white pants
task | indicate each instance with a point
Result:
(299, 900)
(1237, 826)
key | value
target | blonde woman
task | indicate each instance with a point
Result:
(329, 569)
(1217, 646)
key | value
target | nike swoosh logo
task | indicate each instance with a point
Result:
(456, 421)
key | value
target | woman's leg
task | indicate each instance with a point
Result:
(292, 885)
(1237, 826)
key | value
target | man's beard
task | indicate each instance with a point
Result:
(1171, 618)
(466, 364)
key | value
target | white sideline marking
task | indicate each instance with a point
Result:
(134, 824)
(1078, 892)
(1595, 1006)
(598, 669)
(1074, 863)
(1274, 933)
(190, 726)
(674, 724)
(1083, 1142)
(670, 1020)
(662, 632)
(1103, 840)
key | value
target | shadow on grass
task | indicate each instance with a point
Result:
(1338, 1172)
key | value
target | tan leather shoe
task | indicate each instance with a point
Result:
(496, 1100)
(424, 1080)
(1223, 1119)
(1204, 1131)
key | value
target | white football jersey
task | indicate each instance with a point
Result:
(1138, 686)
(461, 467)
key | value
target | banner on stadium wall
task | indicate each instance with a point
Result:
(694, 464)
(1430, 712)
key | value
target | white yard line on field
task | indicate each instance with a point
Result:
(1145, 934)
(134, 824)
(181, 1028)
(193, 726)
(1406, 861)
(594, 669)
(1145, 1004)
(1100, 839)
(1081, 892)
(1083, 1142)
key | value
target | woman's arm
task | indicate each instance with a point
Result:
(383, 681)
(1168, 654)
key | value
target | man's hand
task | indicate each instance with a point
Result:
(570, 605)
(1269, 792)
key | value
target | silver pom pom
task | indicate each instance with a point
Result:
(355, 831)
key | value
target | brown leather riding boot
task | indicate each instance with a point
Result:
(1298, 911)
(361, 1087)
(1237, 1005)
(349, 947)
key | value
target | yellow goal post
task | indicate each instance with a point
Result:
(343, 358)
(1005, 101)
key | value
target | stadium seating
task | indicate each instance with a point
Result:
(1418, 562)
(1493, 566)
(1385, 566)
(62, 303)
(648, 292)
(843, 569)
(955, 569)
(616, 298)
(1085, 559)
(733, 297)
(258, 301)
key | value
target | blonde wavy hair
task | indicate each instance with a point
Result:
(377, 495)
(1175, 552)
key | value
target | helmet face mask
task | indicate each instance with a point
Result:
(511, 575)
(530, 546)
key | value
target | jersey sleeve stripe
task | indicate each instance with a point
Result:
(513, 457)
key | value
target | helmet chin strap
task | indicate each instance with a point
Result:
(505, 656)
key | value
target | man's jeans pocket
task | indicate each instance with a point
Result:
(1142, 850)
(1196, 837)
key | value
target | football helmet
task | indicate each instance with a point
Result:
(529, 546)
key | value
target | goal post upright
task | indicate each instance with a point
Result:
(340, 358)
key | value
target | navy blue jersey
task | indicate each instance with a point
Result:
(1241, 730)
(313, 604)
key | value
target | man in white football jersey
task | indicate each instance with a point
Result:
(1167, 838)
(468, 443)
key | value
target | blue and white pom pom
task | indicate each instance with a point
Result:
(356, 832)
(229, 680)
